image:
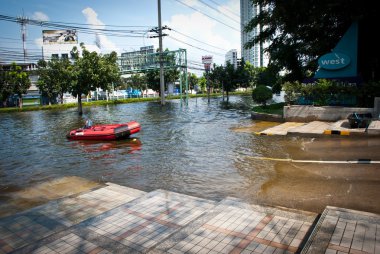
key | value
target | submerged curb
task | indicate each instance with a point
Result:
(336, 132)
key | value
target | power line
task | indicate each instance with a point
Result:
(217, 10)
(195, 46)
(197, 10)
(227, 9)
(197, 40)
(85, 30)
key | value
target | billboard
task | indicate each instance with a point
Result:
(207, 59)
(59, 36)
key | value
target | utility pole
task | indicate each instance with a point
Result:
(162, 81)
(23, 20)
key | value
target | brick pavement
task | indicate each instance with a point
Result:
(117, 219)
(345, 231)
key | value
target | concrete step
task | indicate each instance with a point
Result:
(281, 129)
(342, 230)
(236, 227)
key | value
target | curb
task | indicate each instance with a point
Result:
(336, 132)
(263, 134)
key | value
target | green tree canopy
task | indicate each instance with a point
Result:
(301, 31)
(5, 86)
(19, 81)
(55, 77)
(92, 71)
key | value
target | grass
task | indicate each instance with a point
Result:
(275, 109)
(105, 102)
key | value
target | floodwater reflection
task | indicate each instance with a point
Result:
(205, 150)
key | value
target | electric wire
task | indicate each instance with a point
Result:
(197, 10)
(217, 10)
(227, 9)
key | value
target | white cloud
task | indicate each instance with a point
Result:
(39, 42)
(101, 39)
(206, 30)
(40, 16)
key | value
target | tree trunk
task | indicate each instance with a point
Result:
(61, 95)
(80, 111)
(223, 90)
(20, 102)
(227, 96)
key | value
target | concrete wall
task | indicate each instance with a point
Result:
(301, 113)
(376, 109)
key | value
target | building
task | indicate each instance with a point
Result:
(231, 57)
(133, 60)
(255, 55)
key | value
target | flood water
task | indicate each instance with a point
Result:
(205, 150)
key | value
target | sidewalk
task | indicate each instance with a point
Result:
(117, 219)
(340, 127)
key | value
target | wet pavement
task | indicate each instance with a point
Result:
(118, 219)
(340, 127)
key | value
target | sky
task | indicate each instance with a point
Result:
(202, 27)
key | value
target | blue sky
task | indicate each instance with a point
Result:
(203, 27)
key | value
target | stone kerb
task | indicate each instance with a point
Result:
(308, 113)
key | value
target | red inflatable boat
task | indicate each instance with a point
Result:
(105, 131)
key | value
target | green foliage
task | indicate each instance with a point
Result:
(301, 31)
(193, 80)
(276, 109)
(136, 81)
(292, 91)
(202, 83)
(92, 71)
(13, 81)
(153, 78)
(55, 78)
(328, 92)
(261, 94)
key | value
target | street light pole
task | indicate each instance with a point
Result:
(162, 81)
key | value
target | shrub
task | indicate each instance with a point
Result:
(261, 94)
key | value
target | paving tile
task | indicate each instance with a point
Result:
(166, 222)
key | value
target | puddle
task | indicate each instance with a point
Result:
(257, 126)
(43, 193)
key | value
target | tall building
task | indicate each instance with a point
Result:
(231, 57)
(135, 59)
(254, 55)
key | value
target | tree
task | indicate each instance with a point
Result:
(231, 79)
(137, 81)
(55, 77)
(19, 80)
(92, 71)
(153, 78)
(301, 31)
(5, 86)
(202, 83)
(261, 94)
(193, 80)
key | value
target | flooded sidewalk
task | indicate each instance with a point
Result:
(118, 219)
(340, 127)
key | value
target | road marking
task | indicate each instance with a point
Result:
(359, 161)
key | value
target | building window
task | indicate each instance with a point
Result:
(54, 56)
(65, 56)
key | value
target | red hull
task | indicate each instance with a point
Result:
(105, 131)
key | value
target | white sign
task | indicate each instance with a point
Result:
(207, 59)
